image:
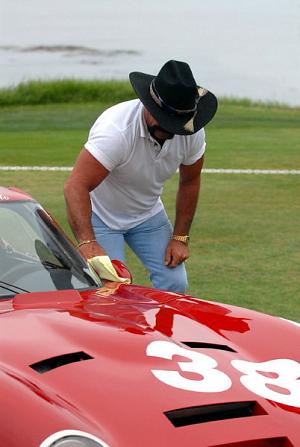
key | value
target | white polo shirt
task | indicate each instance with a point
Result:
(138, 166)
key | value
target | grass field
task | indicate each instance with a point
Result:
(245, 241)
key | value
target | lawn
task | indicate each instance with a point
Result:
(245, 240)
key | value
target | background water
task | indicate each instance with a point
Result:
(243, 48)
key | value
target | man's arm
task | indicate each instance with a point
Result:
(86, 175)
(186, 204)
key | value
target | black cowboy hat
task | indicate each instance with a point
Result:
(174, 99)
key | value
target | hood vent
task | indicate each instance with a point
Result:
(215, 412)
(60, 360)
(265, 442)
(198, 344)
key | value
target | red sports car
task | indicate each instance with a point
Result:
(87, 366)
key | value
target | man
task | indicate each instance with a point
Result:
(113, 192)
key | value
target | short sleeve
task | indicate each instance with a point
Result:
(106, 144)
(195, 147)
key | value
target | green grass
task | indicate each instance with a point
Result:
(239, 137)
(245, 241)
(67, 90)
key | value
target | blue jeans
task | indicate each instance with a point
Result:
(148, 240)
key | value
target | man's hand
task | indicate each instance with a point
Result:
(176, 253)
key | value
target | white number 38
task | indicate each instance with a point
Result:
(277, 380)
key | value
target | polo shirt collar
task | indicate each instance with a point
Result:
(144, 133)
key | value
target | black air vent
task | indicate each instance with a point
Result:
(61, 360)
(198, 344)
(265, 442)
(215, 412)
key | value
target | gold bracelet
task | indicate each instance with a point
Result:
(86, 242)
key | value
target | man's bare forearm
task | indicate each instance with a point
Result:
(186, 204)
(87, 174)
(79, 211)
(187, 196)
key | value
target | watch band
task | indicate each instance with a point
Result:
(184, 238)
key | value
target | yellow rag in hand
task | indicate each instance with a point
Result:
(102, 267)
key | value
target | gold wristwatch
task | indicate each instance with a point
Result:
(185, 239)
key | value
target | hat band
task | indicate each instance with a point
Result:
(163, 105)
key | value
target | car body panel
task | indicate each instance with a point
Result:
(119, 398)
(13, 194)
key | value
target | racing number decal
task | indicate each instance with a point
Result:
(277, 380)
(280, 386)
(211, 380)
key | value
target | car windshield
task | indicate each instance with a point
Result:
(35, 256)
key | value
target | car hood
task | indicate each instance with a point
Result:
(96, 361)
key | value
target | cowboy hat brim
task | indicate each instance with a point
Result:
(176, 124)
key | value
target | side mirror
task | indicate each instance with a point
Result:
(121, 269)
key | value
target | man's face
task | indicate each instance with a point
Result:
(154, 128)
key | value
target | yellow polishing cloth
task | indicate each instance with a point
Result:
(103, 268)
